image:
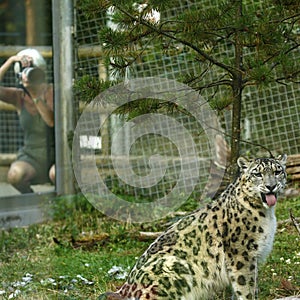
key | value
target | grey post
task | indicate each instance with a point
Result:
(62, 19)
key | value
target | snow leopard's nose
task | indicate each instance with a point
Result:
(271, 188)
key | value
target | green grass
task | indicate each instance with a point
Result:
(80, 243)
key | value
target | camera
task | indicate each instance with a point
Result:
(18, 69)
(34, 75)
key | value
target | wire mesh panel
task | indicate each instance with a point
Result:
(270, 115)
(271, 118)
(11, 136)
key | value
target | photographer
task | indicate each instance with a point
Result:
(33, 99)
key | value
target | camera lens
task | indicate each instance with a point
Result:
(34, 75)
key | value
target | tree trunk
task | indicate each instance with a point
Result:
(237, 96)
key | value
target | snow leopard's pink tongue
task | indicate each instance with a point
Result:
(271, 199)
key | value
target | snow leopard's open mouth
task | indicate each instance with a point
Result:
(270, 198)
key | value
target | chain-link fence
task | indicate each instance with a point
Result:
(270, 115)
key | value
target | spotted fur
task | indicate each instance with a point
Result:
(214, 247)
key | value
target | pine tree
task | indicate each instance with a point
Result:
(262, 36)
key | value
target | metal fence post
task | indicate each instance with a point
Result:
(62, 18)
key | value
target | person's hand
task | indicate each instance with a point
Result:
(25, 60)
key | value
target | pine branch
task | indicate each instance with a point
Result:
(161, 32)
(215, 84)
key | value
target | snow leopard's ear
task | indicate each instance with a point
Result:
(282, 159)
(243, 163)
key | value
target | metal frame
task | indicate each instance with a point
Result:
(26, 209)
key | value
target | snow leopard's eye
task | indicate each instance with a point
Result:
(278, 172)
(257, 174)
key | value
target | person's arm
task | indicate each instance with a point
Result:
(11, 95)
(24, 60)
(7, 64)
